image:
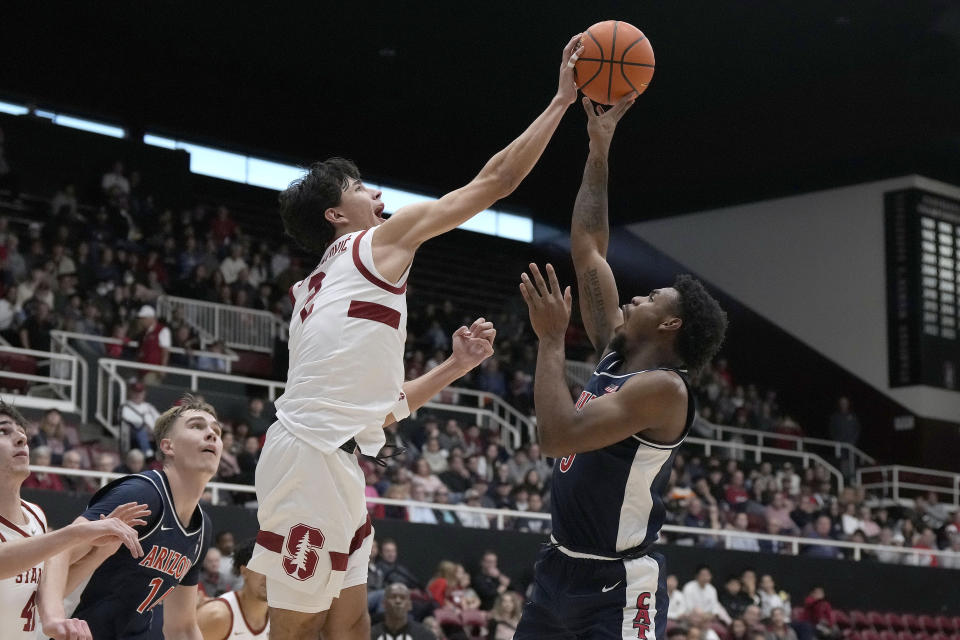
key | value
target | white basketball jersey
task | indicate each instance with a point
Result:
(240, 628)
(347, 335)
(18, 594)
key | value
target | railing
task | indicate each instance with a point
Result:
(495, 409)
(59, 345)
(112, 386)
(63, 381)
(61, 340)
(892, 480)
(498, 519)
(580, 372)
(805, 457)
(238, 327)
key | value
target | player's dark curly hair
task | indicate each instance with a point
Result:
(303, 202)
(242, 554)
(704, 323)
(11, 412)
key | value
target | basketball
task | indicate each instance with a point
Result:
(616, 59)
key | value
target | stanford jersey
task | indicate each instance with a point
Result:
(347, 334)
(608, 502)
(240, 629)
(18, 594)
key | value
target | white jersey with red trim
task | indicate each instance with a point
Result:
(347, 335)
(240, 628)
(18, 594)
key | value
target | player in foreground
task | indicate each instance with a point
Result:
(25, 543)
(120, 601)
(345, 378)
(615, 446)
(240, 615)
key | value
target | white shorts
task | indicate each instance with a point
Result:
(315, 532)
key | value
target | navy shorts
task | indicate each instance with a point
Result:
(586, 598)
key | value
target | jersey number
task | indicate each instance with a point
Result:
(313, 286)
(155, 585)
(29, 613)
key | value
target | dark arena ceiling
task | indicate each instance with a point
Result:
(751, 98)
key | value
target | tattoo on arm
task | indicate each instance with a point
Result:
(592, 295)
(590, 209)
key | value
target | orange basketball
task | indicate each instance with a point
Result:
(616, 59)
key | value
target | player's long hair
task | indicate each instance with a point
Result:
(303, 203)
(704, 324)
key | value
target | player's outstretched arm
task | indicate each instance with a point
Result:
(398, 238)
(590, 230)
(180, 614)
(644, 402)
(471, 346)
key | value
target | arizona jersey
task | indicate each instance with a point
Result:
(240, 629)
(347, 335)
(609, 502)
(122, 598)
(18, 594)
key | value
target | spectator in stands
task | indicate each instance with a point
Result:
(133, 462)
(822, 530)
(106, 462)
(257, 420)
(210, 362)
(211, 582)
(489, 581)
(533, 525)
(770, 598)
(417, 513)
(740, 543)
(40, 456)
(137, 417)
(15, 265)
(818, 612)
(927, 540)
(701, 596)
(733, 600)
(444, 516)
(424, 478)
(222, 227)
(751, 617)
(777, 514)
(473, 519)
(114, 183)
(233, 264)
(748, 583)
(155, 342)
(35, 331)
(435, 456)
(677, 633)
(678, 604)
(247, 459)
(456, 478)
(844, 426)
(778, 629)
(443, 580)
(738, 630)
(490, 378)
(54, 434)
(504, 616)
(77, 484)
(396, 622)
(389, 567)
(735, 492)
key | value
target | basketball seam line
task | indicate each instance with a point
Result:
(629, 64)
(613, 52)
(600, 47)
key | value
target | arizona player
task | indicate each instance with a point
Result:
(122, 597)
(345, 378)
(25, 542)
(616, 444)
(240, 615)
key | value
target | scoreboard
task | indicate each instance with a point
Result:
(923, 281)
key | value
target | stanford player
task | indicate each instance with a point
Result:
(241, 614)
(25, 543)
(345, 378)
(616, 444)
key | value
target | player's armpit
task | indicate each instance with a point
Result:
(599, 300)
(653, 400)
(214, 619)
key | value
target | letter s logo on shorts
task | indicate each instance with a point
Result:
(301, 559)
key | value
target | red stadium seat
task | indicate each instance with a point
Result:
(475, 623)
(945, 625)
(928, 623)
(921, 636)
(939, 636)
(840, 618)
(895, 621)
(858, 619)
(876, 620)
(449, 619)
(956, 624)
(910, 622)
(869, 634)
(853, 635)
(886, 634)
(904, 635)
(721, 630)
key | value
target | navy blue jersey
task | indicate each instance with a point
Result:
(121, 600)
(609, 502)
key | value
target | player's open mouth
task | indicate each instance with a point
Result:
(21, 454)
(379, 212)
(210, 450)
